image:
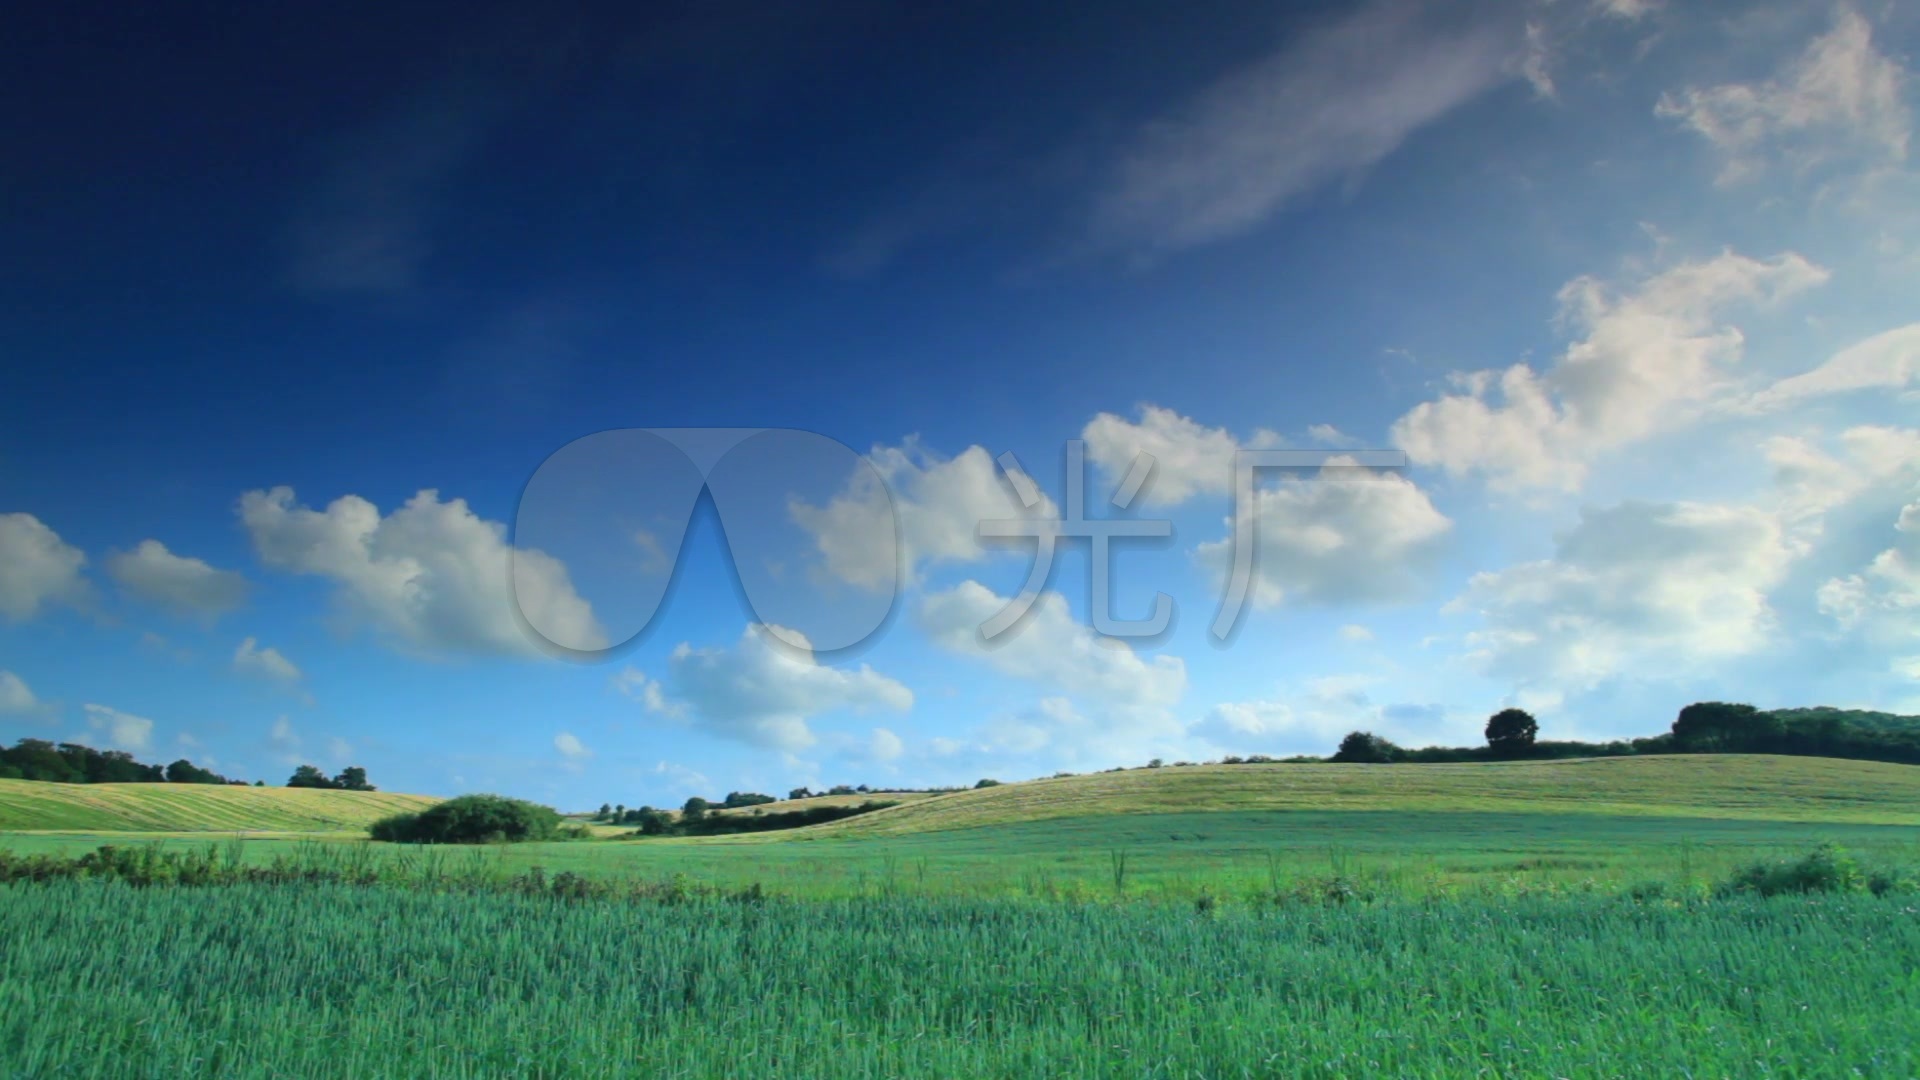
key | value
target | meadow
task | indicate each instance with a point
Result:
(99, 979)
(1282, 921)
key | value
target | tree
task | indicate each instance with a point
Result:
(736, 799)
(1511, 731)
(1365, 747)
(605, 812)
(695, 809)
(987, 783)
(1709, 726)
(309, 777)
(799, 793)
(353, 778)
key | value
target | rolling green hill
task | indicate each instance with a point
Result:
(1731, 786)
(34, 805)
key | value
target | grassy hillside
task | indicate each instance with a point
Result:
(26, 804)
(1734, 786)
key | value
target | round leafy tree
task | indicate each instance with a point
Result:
(1511, 731)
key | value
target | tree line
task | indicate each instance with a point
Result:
(1704, 727)
(75, 763)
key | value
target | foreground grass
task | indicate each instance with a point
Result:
(99, 979)
(1723, 786)
(34, 805)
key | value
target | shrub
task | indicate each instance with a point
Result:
(470, 819)
(1827, 869)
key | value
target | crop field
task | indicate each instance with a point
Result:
(336, 981)
(33, 805)
(1731, 786)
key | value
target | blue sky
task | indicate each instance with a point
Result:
(294, 311)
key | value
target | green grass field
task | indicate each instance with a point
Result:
(188, 808)
(98, 979)
(1423, 829)
(1551, 919)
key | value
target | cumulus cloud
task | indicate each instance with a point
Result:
(185, 585)
(1355, 634)
(15, 695)
(121, 731)
(1882, 602)
(431, 575)
(1637, 589)
(1051, 647)
(1331, 103)
(1188, 458)
(1649, 360)
(1314, 718)
(884, 745)
(763, 690)
(36, 567)
(937, 502)
(252, 659)
(1840, 96)
(570, 747)
(1348, 535)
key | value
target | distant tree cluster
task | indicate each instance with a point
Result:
(351, 778)
(470, 819)
(73, 763)
(1705, 727)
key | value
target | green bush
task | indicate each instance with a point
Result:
(470, 819)
(1827, 869)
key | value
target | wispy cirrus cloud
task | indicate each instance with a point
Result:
(1326, 106)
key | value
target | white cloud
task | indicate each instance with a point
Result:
(1630, 10)
(1809, 482)
(1051, 647)
(123, 731)
(1886, 361)
(1336, 538)
(1638, 589)
(288, 747)
(1277, 727)
(938, 504)
(884, 746)
(764, 689)
(1328, 105)
(1189, 459)
(1355, 634)
(268, 662)
(182, 584)
(1313, 720)
(1839, 96)
(1649, 361)
(431, 575)
(15, 695)
(1328, 435)
(36, 566)
(634, 683)
(570, 747)
(1882, 602)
